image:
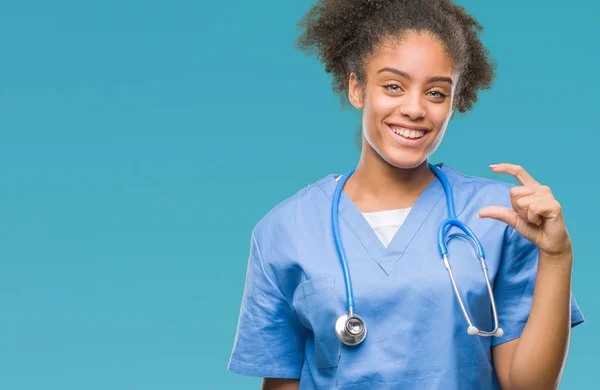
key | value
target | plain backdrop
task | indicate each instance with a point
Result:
(141, 141)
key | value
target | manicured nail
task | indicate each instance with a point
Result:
(493, 165)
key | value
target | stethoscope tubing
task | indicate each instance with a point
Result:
(442, 247)
(336, 233)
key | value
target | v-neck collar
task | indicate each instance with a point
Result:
(388, 257)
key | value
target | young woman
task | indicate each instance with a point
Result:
(360, 281)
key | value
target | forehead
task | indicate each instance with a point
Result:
(418, 54)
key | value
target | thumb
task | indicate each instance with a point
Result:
(504, 214)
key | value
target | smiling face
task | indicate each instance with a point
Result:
(406, 101)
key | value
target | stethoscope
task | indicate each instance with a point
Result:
(349, 327)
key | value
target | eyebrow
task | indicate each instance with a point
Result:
(406, 75)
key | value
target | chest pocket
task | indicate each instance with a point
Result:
(318, 305)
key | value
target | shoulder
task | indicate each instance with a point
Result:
(282, 233)
(475, 188)
(294, 211)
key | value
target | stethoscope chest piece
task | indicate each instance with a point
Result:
(351, 330)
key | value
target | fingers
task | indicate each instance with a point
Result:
(522, 197)
(533, 216)
(546, 208)
(519, 192)
(530, 205)
(517, 171)
(530, 215)
(504, 214)
(533, 208)
(540, 209)
(531, 202)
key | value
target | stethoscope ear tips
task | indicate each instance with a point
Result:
(472, 330)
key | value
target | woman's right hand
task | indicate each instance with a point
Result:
(280, 384)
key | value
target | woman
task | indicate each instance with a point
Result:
(407, 65)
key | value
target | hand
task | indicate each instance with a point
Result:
(535, 213)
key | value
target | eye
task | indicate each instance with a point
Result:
(392, 87)
(440, 95)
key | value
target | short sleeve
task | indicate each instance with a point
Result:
(514, 285)
(269, 340)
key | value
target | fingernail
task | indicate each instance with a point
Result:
(493, 165)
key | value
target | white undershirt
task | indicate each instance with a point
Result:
(386, 223)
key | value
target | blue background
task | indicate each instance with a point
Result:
(141, 142)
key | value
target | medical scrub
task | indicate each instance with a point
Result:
(417, 334)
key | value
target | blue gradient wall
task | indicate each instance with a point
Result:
(141, 141)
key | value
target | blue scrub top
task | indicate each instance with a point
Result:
(417, 335)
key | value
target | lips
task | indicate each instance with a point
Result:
(408, 127)
(407, 136)
(407, 133)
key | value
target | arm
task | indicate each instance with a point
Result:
(280, 384)
(269, 340)
(536, 360)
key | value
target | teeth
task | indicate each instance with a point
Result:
(408, 133)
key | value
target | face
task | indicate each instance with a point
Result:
(406, 100)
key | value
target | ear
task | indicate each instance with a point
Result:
(355, 93)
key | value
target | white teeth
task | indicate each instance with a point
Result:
(408, 133)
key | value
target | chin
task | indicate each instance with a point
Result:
(404, 159)
(399, 156)
(405, 163)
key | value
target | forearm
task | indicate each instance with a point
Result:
(542, 348)
(280, 384)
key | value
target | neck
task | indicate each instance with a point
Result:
(376, 185)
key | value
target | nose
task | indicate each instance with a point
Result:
(413, 108)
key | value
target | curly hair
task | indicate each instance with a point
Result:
(345, 33)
